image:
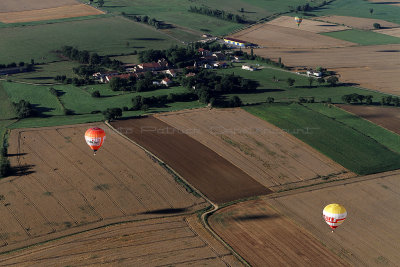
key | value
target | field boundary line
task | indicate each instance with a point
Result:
(204, 215)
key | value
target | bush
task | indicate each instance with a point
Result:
(235, 101)
(112, 113)
(4, 167)
(96, 94)
(270, 99)
(53, 91)
(95, 112)
(377, 25)
(68, 112)
(23, 109)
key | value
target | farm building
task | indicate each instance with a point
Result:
(237, 42)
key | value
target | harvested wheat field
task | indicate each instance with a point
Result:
(374, 67)
(176, 241)
(211, 174)
(268, 154)
(273, 36)
(26, 5)
(370, 235)
(60, 188)
(307, 25)
(386, 117)
(357, 23)
(392, 32)
(263, 237)
(61, 12)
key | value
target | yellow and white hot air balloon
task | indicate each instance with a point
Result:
(334, 215)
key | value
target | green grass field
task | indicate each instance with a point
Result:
(360, 8)
(106, 36)
(364, 37)
(176, 11)
(42, 100)
(283, 93)
(345, 145)
(6, 107)
(45, 73)
(380, 134)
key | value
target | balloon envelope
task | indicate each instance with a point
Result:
(298, 20)
(95, 138)
(334, 215)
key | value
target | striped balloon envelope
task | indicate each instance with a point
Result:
(95, 138)
(298, 21)
(334, 215)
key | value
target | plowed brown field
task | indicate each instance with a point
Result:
(370, 235)
(207, 171)
(60, 188)
(263, 237)
(268, 154)
(70, 11)
(358, 23)
(386, 117)
(178, 241)
(270, 36)
(307, 25)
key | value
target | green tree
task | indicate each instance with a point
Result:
(320, 80)
(290, 81)
(270, 100)
(377, 25)
(346, 99)
(333, 80)
(371, 10)
(310, 81)
(235, 101)
(368, 99)
(96, 93)
(100, 2)
(112, 113)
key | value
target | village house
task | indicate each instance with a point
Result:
(248, 67)
(171, 72)
(166, 81)
(314, 73)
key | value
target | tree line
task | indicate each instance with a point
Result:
(221, 14)
(158, 24)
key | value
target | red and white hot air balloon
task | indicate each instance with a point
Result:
(334, 215)
(95, 138)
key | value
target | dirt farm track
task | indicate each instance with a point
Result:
(56, 171)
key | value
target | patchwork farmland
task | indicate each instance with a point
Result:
(55, 170)
(268, 154)
(211, 174)
(370, 234)
(174, 241)
(386, 117)
(266, 238)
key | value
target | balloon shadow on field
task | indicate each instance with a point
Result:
(256, 217)
(166, 211)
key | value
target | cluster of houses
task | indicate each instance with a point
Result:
(208, 60)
